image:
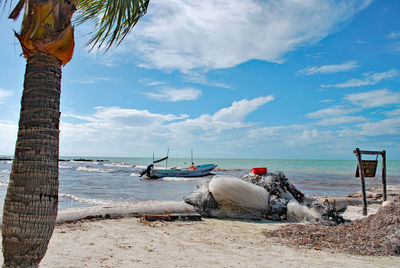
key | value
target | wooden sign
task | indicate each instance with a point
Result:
(369, 167)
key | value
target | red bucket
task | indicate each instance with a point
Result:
(259, 170)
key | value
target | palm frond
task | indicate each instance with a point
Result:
(113, 19)
(15, 13)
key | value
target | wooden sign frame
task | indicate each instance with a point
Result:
(360, 169)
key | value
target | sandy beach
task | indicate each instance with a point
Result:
(132, 242)
(127, 240)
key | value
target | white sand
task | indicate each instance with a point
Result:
(129, 242)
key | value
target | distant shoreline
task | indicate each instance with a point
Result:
(63, 160)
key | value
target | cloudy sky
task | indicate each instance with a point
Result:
(238, 79)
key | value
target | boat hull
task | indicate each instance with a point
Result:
(202, 170)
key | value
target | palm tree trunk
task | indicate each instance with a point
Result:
(31, 203)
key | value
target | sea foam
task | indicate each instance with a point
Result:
(100, 170)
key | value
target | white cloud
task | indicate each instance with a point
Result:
(4, 93)
(173, 95)
(335, 115)
(152, 83)
(113, 131)
(393, 35)
(294, 136)
(238, 110)
(395, 112)
(395, 47)
(229, 118)
(340, 114)
(389, 126)
(109, 127)
(200, 78)
(333, 68)
(93, 80)
(186, 35)
(273, 132)
(156, 83)
(369, 79)
(330, 112)
(340, 120)
(123, 117)
(309, 134)
(384, 127)
(374, 98)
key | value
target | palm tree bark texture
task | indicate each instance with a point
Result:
(31, 202)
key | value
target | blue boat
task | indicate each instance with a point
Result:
(192, 171)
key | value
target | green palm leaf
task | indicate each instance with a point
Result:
(113, 19)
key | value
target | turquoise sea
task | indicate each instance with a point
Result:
(116, 181)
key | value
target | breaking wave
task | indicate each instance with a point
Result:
(62, 166)
(121, 165)
(184, 178)
(99, 170)
(88, 201)
(5, 171)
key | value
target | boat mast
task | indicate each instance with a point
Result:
(166, 162)
(192, 157)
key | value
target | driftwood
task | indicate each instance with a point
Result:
(172, 217)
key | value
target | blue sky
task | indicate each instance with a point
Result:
(239, 79)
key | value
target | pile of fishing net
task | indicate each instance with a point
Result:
(270, 196)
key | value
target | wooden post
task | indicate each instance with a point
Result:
(361, 171)
(384, 175)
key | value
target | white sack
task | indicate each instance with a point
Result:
(238, 198)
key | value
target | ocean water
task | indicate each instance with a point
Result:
(116, 181)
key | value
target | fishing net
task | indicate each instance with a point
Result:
(202, 200)
(270, 196)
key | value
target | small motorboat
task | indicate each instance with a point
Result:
(192, 171)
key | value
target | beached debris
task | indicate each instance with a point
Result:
(229, 197)
(171, 217)
(287, 202)
(276, 184)
(378, 234)
(237, 198)
(202, 199)
(270, 196)
(281, 190)
(328, 213)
